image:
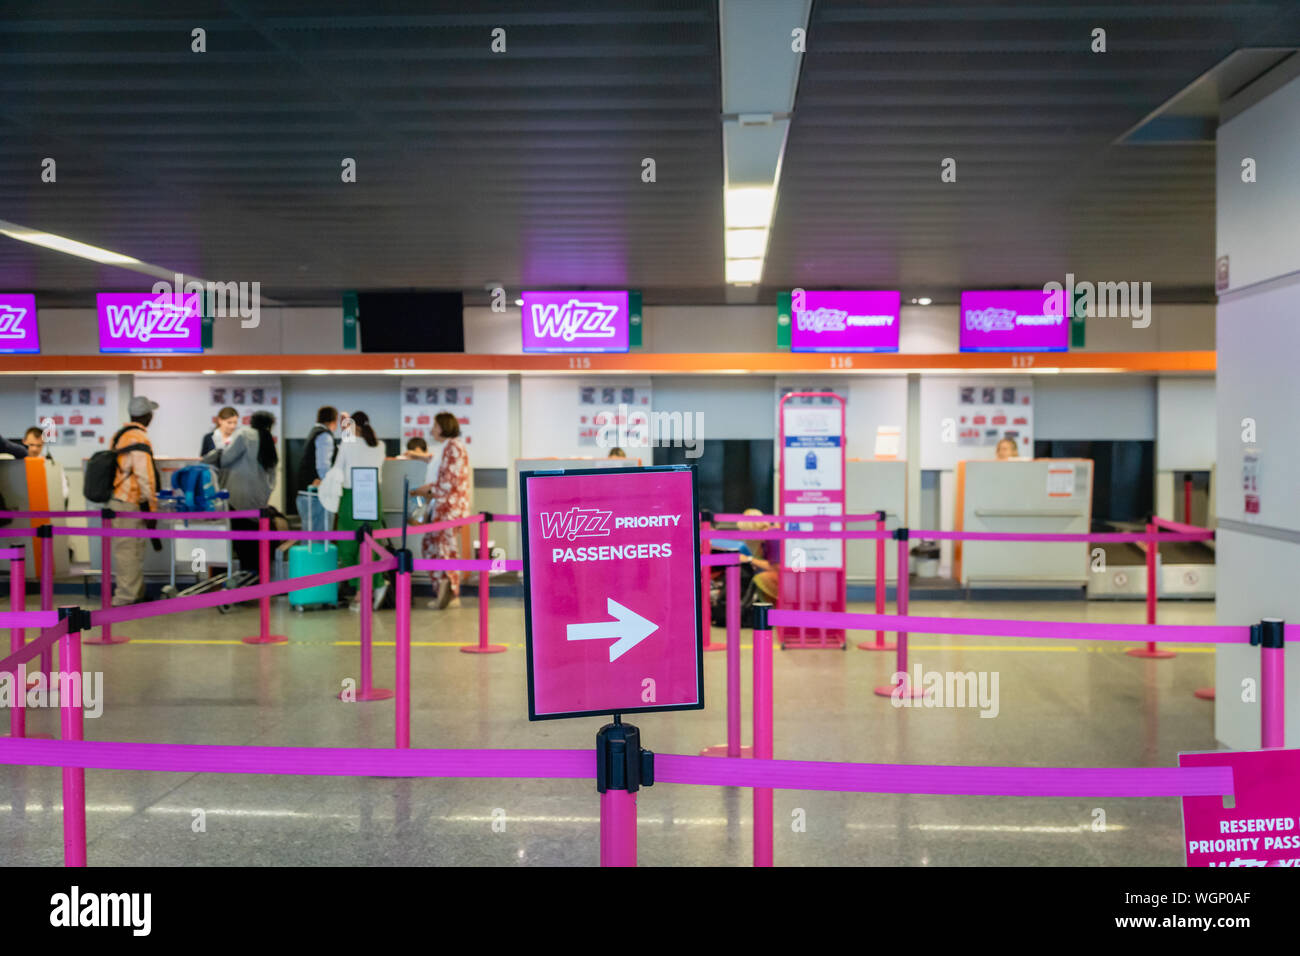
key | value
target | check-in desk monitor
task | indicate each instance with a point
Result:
(1041, 495)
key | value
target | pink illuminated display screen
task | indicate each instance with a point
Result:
(844, 321)
(18, 331)
(590, 321)
(1262, 827)
(612, 591)
(1013, 321)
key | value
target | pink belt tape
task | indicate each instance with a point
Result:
(216, 534)
(819, 518)
(133, 612)
(49, 514)
(669, 768)
(497, 517)
(731, 534)
(1116, 537)
(426, 528)
(718, 560)
(966, 781)
(8, 554)
(1063, 630)
(1179, 526)
(49, 635)
(465, 564)
(17, 532)
(28, 618)
(186, 515)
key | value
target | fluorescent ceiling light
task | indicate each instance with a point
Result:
(924, 300)
(73, 248)
(749, 206)
(744, 270)
(746, 243)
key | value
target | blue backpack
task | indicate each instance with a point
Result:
(194, 486)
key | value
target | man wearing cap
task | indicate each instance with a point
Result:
(135, 488)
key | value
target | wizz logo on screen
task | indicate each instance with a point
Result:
(11, 322)
(575, 523)
(160, 318)
(574, 320)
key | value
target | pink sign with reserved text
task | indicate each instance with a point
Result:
(1262, 828)
(611, 591)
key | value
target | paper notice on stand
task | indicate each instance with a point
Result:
(1060, 481)
(889, 441)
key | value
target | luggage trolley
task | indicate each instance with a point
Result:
(219, 551)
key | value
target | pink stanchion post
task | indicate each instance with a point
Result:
(1153, 551)
(17, 638)
(106, 635)
(367, 690)
(47, 593)
(485, 554)
(264, 635)
(880, 644)
(733, 746)
(402, 655)
(1272, 683)
(900, 666)
(617, 828)
(705, 527)
(74, 778)
(763, 835)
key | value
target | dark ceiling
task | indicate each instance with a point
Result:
(525, 167)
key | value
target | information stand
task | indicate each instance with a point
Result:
(611, 561)
(812, 482)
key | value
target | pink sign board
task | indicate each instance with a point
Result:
(591, 321)
(18, 331)
(1262, 828)
(150, 322)
(1013, 321)
(844, 321)
(611, 596)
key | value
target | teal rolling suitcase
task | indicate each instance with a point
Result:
(312, 558)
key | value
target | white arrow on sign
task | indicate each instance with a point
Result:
(630, 629)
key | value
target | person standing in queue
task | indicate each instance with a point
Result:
(246, 469)
(317, 457)
(223, 434)
(447, 485)
(358, 448)
(135, 488)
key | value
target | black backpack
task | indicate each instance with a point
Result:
(101, 468)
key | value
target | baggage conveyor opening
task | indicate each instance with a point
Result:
(1183, 568)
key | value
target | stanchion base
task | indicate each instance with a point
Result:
(889, 689)
(375, 693)
(1204, 693)
(720, 750)
(114, 639)
(715, 647)
(269, 639)
(872, 646)
(1155, 655)
(490, 649)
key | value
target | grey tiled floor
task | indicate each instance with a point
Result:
(1062, 704)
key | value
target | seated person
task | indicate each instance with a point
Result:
(761, 557)
(1007, 450)
(616, 453)
(418, 448)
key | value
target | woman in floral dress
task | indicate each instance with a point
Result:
(447, 485)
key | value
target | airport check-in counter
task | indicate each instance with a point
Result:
(1045, 495)
(180, 550)
(872, 485)
(34, 484)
